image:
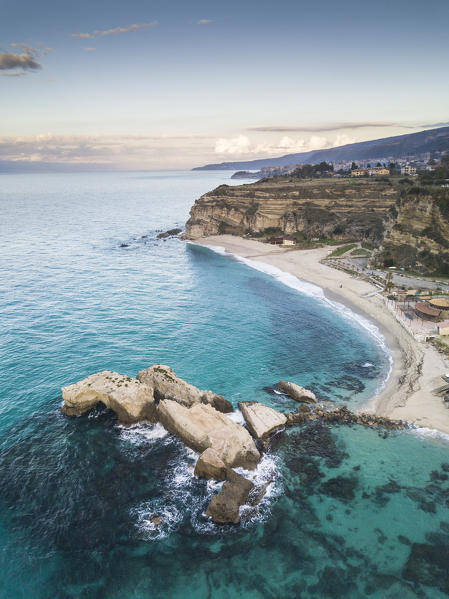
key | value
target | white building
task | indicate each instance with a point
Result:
(408, 170)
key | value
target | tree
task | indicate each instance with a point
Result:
(354, 166)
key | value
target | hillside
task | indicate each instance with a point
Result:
(400, 146)
(408, 224)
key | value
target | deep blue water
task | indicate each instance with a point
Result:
(350, 514)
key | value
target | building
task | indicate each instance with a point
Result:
(408, 170)
(282, 241)
(440, 303)
(372, 171)
(443, 327)
(426, 312)
(378, 171)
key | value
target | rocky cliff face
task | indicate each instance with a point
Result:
(324, 208)
(408, 224)
(418, 236)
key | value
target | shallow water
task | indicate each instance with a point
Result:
(348, 513)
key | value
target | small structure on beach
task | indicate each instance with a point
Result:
(426, 312)
(443, 327)
(441, 304)
(282, 241)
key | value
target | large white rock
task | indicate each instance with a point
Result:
(130, 399)
(260, 419)
(201, 426)
(297, 392)
(167, 385)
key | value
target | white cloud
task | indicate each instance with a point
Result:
(204, 22)
(241, 145)
(115, 30)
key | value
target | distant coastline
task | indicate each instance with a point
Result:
(416, 367)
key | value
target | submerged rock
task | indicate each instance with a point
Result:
(224, 507)
(202, 426)
(167, 385)
(297, 393)
(129, 398)
(169, 233)
(260, 419)
(210, 465)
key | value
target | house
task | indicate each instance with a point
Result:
(282, 241)
(408, 170)
(359, 172)
(378, 171)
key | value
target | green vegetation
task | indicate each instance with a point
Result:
(367, 246)
(342, 250)
(360, 253)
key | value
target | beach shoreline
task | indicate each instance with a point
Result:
(416, 367)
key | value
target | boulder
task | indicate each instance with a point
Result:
(167, 385)
(224, 507)
(210, 465)
(260, 419)
(297, 393)
(169, 233)
(202, 426)
(129, 398)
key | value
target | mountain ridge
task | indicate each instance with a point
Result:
(395, 147)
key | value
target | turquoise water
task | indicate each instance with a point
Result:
(349, 514)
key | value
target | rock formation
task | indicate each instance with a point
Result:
(322, 208)
(224, 507)
(297, 393)
(260, 419)
(210, 465)
(167, 385)
(202, 426)
(129, 398)
(169, 233)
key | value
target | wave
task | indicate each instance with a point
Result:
(316, 292)
(430, 433)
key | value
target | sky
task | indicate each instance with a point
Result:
(164, 84)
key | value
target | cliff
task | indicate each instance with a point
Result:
(323, 208)
(408, 225)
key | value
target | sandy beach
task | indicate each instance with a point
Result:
(417, 367)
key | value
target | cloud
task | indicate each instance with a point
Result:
(115, 31)
(204, 21)
(25, 61)
(89, 49)
(13, 74)
(325, 127)
(123, 151)
(241, 145)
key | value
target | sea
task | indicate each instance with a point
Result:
(86, 285)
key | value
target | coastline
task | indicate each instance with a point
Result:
(416, 367)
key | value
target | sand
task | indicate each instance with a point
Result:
(417, 367)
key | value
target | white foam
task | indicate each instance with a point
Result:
(317, 293)
(236, 416)
(430, 433)
(142, 433)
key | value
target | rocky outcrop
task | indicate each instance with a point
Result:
(169, 233)
(210, 465)
(297, 392)
(322, 208)
(202, 426)
(260, 419)
(224, 507)
(129, 398)
(344, 416)
(167, 385)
